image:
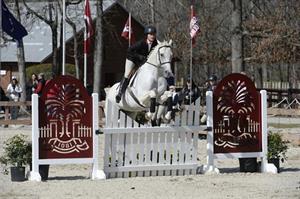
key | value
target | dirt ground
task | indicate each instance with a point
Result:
(72, 181)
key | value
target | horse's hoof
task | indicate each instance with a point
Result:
(148, 115)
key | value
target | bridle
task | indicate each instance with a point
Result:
(156, 66)
(158, 54)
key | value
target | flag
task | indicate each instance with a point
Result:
(10, 24)
(127, 32)
(89, 31)
(194, 24)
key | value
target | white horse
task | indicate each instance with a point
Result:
(148, 85)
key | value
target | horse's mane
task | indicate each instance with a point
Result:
(160, 44)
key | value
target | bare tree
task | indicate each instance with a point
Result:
(50, 17)
(236, 38)
(21, 57)
(273, 37)
(73, 25)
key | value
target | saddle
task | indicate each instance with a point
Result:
(131, 77)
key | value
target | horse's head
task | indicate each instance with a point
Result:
(163, 57)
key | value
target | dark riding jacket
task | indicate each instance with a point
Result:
(138, 52)
(186, 93)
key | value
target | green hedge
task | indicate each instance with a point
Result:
(47, 70)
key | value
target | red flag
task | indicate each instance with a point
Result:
(194, 24)
(88, 26)
(127, 32)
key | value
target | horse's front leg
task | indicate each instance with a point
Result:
(152, 96)
(167, 96)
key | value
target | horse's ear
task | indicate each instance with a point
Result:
(170, 42)
(158, 42)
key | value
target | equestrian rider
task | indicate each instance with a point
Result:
(136, 56)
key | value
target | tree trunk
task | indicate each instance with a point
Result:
(76, 59)
(53, 26)
(236, 39)
(98, 51)
(21, 59)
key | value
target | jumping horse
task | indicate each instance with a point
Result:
(148, 85)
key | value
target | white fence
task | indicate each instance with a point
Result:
(133, 150)
(280, 85)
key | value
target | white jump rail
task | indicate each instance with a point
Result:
(132, 149)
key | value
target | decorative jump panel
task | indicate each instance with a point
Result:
(65, 120)
(236, 115)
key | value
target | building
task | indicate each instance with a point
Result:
(38, 44)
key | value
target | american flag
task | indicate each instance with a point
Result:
(194, 24)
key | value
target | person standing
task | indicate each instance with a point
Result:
(14, 91)
(136, 56)
(41, 84)
(189, 93)
(212, 82)
(34, 82)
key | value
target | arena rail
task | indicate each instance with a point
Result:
(7, 121)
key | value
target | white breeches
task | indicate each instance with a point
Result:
(129, 65)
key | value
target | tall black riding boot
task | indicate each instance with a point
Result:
(123, 85)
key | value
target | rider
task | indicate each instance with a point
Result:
(136, 56)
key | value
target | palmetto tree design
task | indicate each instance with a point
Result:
(236, 102)
(63, 103)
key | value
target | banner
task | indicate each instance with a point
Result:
(10, 25)
(88, 26)
(127, 32)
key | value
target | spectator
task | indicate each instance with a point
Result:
(189, 93)
(34, 82)
(41, 84)
(175, 100)
(212, 82)
(14, 91)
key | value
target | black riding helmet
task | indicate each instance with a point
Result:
(213, 78)
(150, 30)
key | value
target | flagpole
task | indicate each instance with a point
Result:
(85, 53)
(0, 35)
(64, 38)
(191, 68)
(129, 38)
(191, 56)
(85, 60)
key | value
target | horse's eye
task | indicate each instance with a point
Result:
(161, 54)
